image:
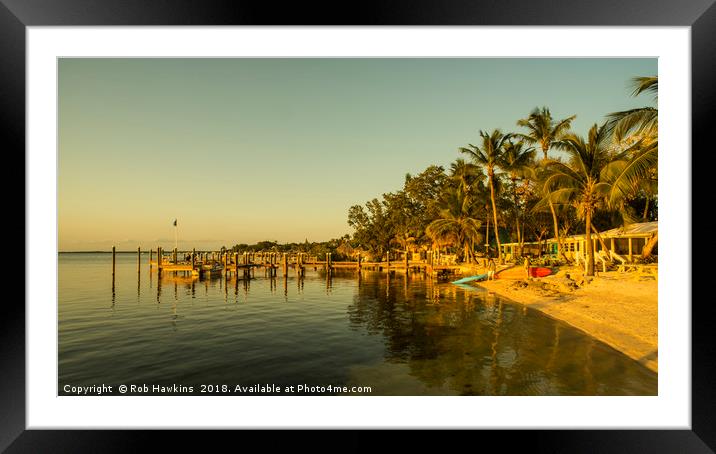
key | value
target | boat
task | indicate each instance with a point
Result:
(210, 270)
(540, 271)
(518, 272)
(477, 277)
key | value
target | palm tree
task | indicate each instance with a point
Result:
(543, 130)
(641, 123)
(582, 182)
(489, 156)
(466, 174)
(517, 161)
(630, 128)
(456, 224)
(404, 239)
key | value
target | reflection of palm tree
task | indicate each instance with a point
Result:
(489, 156)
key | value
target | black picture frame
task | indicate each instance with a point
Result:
(700, 15)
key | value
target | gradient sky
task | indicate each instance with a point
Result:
(243, 150)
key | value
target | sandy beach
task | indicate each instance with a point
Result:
(619, 309)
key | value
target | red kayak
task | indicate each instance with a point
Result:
(518, 272)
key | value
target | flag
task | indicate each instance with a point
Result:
(175, 222)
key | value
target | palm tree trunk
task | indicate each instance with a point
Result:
(646, 210)
(590, 245)
(556, 228)
(487, 235)
(494, 217)
(517, 207)
(646, 252)
(599, 237)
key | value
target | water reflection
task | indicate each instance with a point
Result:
(468, 342)
(402, 335)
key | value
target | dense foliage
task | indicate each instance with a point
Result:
(511, 189)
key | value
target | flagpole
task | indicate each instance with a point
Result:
(176, 226)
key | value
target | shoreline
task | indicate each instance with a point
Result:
(619, 309)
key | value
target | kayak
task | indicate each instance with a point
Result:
(539, 271)
(477, 277)
(518, 272)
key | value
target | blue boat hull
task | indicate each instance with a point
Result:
(478, 277)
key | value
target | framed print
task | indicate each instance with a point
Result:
(245, 218)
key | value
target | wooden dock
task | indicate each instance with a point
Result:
(232, 264)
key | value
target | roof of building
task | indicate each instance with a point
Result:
(637, 229)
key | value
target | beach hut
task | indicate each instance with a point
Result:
(627, 241)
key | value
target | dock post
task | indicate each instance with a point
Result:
(159, 260)
(387, 261)
(113, 263)
(150, 259)
(285, 264)
(193, 258)
(358, 261)
(174, 256)
(407, 262)
(139, 259)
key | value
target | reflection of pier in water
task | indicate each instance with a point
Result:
(227, 267)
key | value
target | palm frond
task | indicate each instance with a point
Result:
(645, 84)
(624, 175)
(643, 121)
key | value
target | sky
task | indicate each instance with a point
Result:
(245, 150)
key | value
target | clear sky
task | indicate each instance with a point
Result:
(243, 150)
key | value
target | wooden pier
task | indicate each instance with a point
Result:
(233, 264)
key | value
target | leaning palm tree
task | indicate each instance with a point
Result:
(637, 130)
(456, 224)
(582, 182)
(544, 131)
(489, 156)
(517, 160)
(637, 124)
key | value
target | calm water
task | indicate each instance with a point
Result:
(397, 336)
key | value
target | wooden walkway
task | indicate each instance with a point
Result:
(228, 264)
(234, 264)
